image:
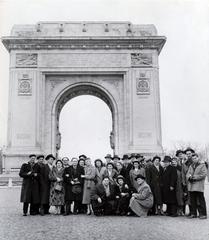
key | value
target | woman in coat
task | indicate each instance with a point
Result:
(111, 173)
(57, 189)
(30, 172)
(154, 178)
(142, 201)
(133, 173)
(123, 196)
(89, 177)
(99, 171)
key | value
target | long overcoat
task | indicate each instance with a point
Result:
(199, 172)
(179, 187)
(71, 174)
(89, 183)
(143, 200)
(30, 184)
(154, 179)
(44, 183)
(169, 179)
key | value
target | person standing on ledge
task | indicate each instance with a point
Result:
(30, 186)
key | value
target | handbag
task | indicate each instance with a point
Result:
(58, 187)
(76, 189)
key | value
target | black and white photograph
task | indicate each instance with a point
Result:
(104, 119)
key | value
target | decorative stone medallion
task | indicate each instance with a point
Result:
(25, 86)
(141, 59)
(26, 59)
(142, 86)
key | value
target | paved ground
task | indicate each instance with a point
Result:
(13, 226)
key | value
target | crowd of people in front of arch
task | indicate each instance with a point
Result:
(132, 185)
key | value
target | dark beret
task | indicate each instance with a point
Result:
(32, 155)
(40, 156)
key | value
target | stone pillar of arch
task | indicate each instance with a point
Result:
(52, 62)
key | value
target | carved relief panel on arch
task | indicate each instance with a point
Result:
(26, 60)
(143, 84)
(24, 85)
(141, 59)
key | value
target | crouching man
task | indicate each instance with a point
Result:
(103, 198)
(196, 180)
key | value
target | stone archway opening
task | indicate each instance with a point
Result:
(85, 125)
(104, 129)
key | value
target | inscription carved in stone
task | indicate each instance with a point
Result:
(26, 59)
(141, 59)
(25, 86)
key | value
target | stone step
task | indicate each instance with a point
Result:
(10, 180)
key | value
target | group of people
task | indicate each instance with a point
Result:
(129, 186)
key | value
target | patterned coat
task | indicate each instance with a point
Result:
(30, 184)
(143, 200)
(56, 197)
(133, 173)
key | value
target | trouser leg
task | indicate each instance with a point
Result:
(202, 204)
(25, 208)
(193, 200)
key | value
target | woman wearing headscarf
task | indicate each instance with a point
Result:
(142, 201)
(57, 189)
(89, 177)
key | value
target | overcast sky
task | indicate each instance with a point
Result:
(184, 60)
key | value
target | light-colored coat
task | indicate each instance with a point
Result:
(99, 175)
(198, 172)
(143, 200)
(89, 183)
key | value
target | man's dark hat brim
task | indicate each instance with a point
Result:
(49, 156)
(40, 156)
(139, 176)
(32, 155)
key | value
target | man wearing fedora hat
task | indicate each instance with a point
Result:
(169, 180)
(103, 198)
(45, 184)
(127, 166)
(30, 173)
(108, 158)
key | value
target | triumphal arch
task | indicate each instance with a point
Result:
(53, 62)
